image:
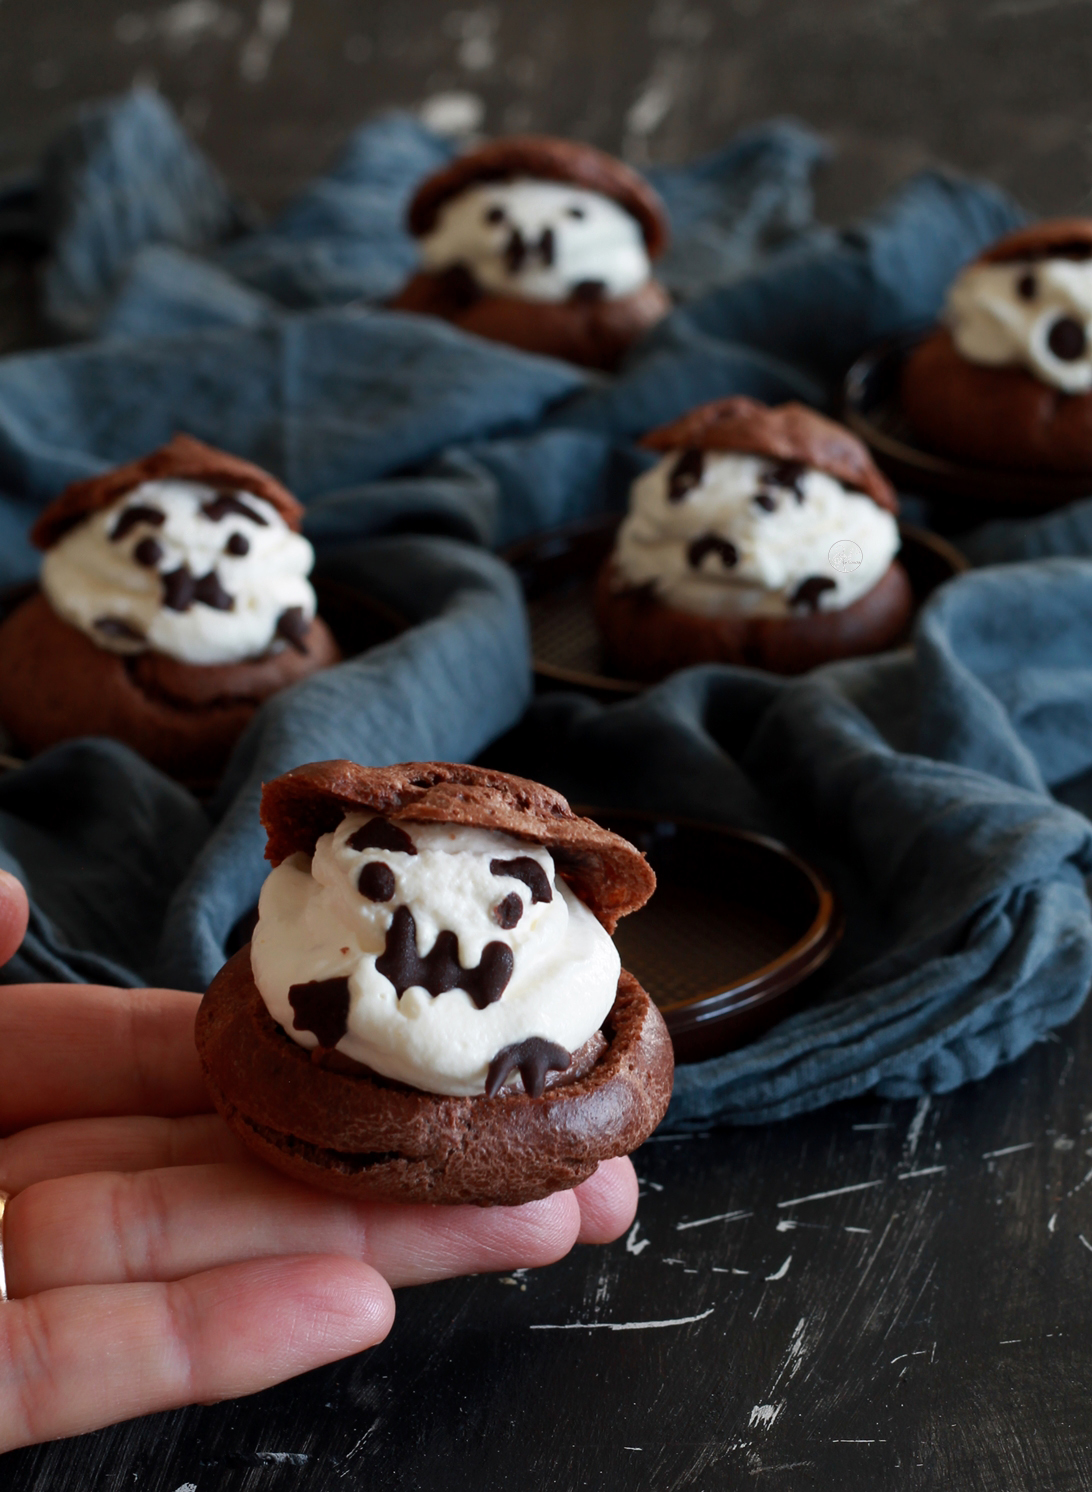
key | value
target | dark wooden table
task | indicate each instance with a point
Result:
(877, 1296)
(883, 1295)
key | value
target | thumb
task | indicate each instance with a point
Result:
(14, 912)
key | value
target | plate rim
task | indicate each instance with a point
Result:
(807, 954)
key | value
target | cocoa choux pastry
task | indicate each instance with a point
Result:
(542, 243)
(1007, 379)
(173, 600)
(763, 536)
(431, 1008)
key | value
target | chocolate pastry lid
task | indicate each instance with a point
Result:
(1055, 238)
(609, 875)
(183, 458)
(548, 159)
(788, 432)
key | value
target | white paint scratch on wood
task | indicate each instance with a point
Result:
(848, 1229)
(720, 1217)
(1085, 1179)
(858, 1442)
(873, 1126)
(633, 1244)
(1009, 1341)
(763, 1415)
(273, 21)
(1053, 1220)
(838, 1191)
(794, 1354)
(617, 1325)
(925, 1171)
(1085, 1241)
(913, 1134)
(453, 112)
(779, 1274)
(787, 1224)
(1008, 1150)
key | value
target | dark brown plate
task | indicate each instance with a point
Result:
(735, 928)
(557, 570)
(873, 411)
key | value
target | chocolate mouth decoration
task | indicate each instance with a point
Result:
(518, 252)
(440, 970)
(181, 589)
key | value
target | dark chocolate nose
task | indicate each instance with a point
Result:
(1067, 339)
(517, 250)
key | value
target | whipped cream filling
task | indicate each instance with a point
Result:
(718, 533)
(540, 240)
(424, 950)
(203, 574)
(1032, 314)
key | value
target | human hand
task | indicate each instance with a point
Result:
(151, 1263)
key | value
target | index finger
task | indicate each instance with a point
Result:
(70, 1051)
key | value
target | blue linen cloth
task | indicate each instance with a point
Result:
(944, 790)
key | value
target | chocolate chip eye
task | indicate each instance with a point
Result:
(1027, 286)
(238, 544)
(1067, 339)
(766, 502)
(148, 552)
(575, 212)
(376, 881)
(509, 911)
(495, 215)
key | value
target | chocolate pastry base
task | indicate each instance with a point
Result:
(647, 640)
(368, 1137)
(595, 333)
(993, 416)
(56, 684)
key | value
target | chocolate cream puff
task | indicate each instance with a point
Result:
(173, 599)
(1007, 380)
(431, 1008)
(761, 536)
(541, 243)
